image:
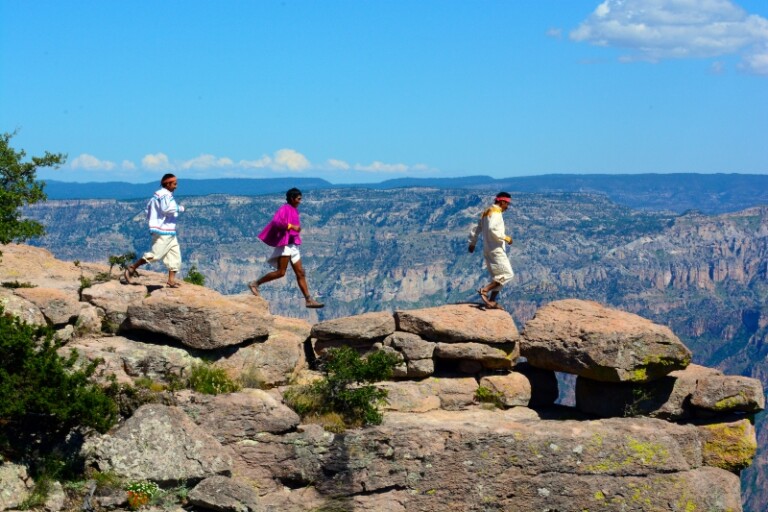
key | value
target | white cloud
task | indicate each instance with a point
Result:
(158, 161)
(653, 30)
(338, 164)
(207, 162)
(91, 163)
(261, 163)
(128, 165)
(390, 168)
(291, 160)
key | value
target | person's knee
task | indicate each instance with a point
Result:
(280, 272)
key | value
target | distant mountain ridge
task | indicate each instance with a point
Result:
(709, 193)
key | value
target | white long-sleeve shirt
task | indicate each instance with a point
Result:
(162, 212)
(491, 226)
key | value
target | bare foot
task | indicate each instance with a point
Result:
(254, 287)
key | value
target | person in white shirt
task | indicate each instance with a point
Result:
(162, 212)
(495, 240)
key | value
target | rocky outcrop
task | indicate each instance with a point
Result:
(441, 446)
(473, 460)
(461, 338)
(696, 391)
(590, 340)
(161, 444)
(199, 318)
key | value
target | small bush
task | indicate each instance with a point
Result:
(485, 395)
(121, 261)
(208, 380)
(17, 284)
(347, 389)
(195, 277)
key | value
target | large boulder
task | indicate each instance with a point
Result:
(161, 444)
(459, 323)
(128, 359)
(512, 389)
(224, 495)
(199, 318)
(365, 327)
(728, 393)
(113, 298)
(59, 307)
(492, 357)
(21, 307)
(276, 361)
(603, 344)
(237, 416)
(730, 444)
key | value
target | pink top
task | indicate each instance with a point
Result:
(276, 233)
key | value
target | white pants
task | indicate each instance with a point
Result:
(166, 249)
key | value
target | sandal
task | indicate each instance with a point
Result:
(254, 287)
(484, 296)
(173, 285)
(313, 304)
(127, 276)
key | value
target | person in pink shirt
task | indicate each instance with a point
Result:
(283, 233)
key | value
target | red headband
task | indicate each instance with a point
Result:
(505, 199)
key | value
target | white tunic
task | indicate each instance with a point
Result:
(491, 226)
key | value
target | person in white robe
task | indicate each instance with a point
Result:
(495, 240)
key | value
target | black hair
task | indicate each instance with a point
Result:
(292, 194)
(166, 177)
(504, 194)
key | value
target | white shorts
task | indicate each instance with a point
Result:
(165, 248)
(291, 250)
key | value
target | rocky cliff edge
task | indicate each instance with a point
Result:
(649, 431)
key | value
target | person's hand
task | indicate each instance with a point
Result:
(471, 247)
(508, 239)
(181, 208)
(297, 229)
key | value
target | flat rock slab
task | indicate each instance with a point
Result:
(199, 317)
(365, 327)
(459, 323)
(161, 444)
(603, 344)
(57, 306)
(496, 357)
(224, 495)
(233, 417)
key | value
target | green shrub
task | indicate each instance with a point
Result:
(121, 261)
(347, 389)
(206, 379)
(195, 277)
(485, 395)
(17, 284)
(43, 397)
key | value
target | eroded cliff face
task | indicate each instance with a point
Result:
(439, 447)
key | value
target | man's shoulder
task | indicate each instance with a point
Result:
(491, 210)
(162, 193)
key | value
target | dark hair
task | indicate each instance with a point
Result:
(292, 194)
(166, 177)
(504, 194)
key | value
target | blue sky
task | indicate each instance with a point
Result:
(361, 91)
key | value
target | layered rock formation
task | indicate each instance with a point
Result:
(649, 431)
